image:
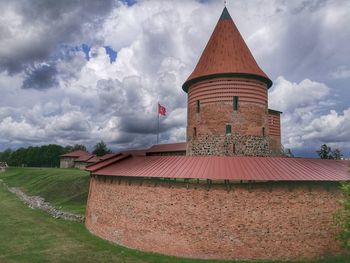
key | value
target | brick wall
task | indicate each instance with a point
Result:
(265, 221)
(275, 131)
(206, 130)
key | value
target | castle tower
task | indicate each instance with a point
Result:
(227, 99)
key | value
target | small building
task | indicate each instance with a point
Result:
(67, 160)
(3, 166)
(85, 160)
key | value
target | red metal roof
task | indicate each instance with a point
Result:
(226, 168)
(84, 158)
(94, 159)
(76, 154)
(103, 163)
(169, 147)
(226, 53)
(106, 156)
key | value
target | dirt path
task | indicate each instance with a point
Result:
(37, 202)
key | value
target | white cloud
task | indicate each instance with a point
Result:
(287, 96)
(342, 72)
(305, 124)
(332, 127)
(158, 44)
(12, 130)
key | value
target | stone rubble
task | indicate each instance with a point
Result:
(38, 202)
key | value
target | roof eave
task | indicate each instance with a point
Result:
(190, 82)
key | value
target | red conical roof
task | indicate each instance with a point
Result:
(226, 55)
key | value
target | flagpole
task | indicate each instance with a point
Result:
(158, 123)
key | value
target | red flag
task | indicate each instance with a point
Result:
(161, 110)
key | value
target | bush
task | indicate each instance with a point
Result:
(342, 217)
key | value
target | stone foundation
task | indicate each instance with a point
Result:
(230, 145)
(265, 221)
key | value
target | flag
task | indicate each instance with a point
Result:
(161, 110)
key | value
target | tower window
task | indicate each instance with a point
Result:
(263, 131)
(194, 132)
(228, 129)
(235, 103)
(198, 106)
(234, 148)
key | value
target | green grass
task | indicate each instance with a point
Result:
(28, 235)
(66, 188)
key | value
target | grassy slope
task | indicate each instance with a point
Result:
(66, 188)
(33, 236)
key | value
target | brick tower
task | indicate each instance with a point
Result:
(227, 110)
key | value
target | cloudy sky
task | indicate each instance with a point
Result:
(83, 71)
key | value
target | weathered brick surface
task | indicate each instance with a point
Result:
(282, 221)
(275, 131)
(249, 124)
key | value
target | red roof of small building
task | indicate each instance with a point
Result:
(157, 148)
(106, 162)
(168, 147)
(84, 158)
(94, 159)
(225, 168)
(75, 154)
(106, 156)
(226, 54)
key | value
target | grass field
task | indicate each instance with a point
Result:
(66, 188)
(28, 235)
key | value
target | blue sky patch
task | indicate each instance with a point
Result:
(86, 50)
(111, 53)
(130, 2)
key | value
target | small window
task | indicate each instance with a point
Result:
(194, 132)
(263, 131)
(198, 106)
(235, 103)
(228, 129)
(234, 148)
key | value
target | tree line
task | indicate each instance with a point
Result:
(326, 152)
(45, 155)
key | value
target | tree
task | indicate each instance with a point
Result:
(76, 147)
(34, 156)
(101, 149)
(336, 154)
(324, 152)
(342, 217)
(6, 155)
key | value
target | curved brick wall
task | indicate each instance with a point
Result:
(275, 132)
(223, 89)
(216, 110)
(283, 221)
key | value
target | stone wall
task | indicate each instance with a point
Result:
(229, 145)
(67, 162)
(274, 221)
(80, 165)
